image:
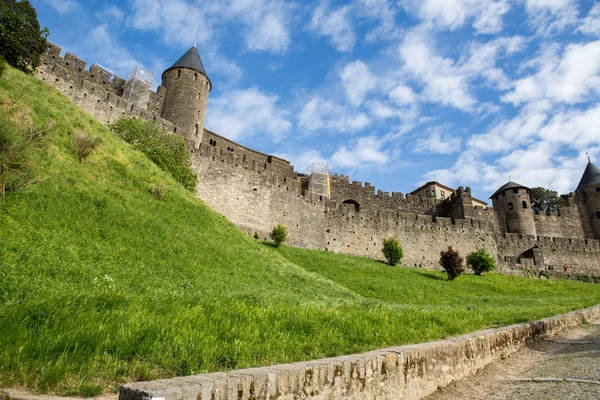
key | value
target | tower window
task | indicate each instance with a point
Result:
(524, 204)
(195, 76)
(179, 73)
(598, 189)
(198, 96)
(196, 130)
(510, 206)
(597, 214)
(515, 190)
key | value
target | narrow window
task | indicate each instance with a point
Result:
(598, 189)
(524, 204)
(597, 214)
(179, 73)
(175, 130)
(196, 130)
(443, 194)
(196, 78)
(515, 190)
(510, 206)
(198, 98)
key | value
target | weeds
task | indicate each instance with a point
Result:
(85, 145)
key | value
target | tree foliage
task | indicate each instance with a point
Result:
(452, 262)
(167, 151)
(278, 234)
(392, 251)
(543, 199)
(21, 40)
(481, 261)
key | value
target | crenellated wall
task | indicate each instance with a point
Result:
(95, 90)
(257, 191)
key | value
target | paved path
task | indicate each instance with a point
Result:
(566, 366)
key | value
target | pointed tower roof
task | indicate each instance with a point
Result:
(591, 176)
(509, 185)
(191, 59)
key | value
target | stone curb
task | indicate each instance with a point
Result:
(403, 372)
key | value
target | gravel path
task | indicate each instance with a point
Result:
(566, 366)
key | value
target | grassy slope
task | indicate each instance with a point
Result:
(101, 283)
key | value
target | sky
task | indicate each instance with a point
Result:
(395, 93)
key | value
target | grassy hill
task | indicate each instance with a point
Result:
(101, 283)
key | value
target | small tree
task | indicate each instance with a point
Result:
(452, 263)
(85, 145)
(278, 234)
(392, 251)
(481, 261)
(21, 39)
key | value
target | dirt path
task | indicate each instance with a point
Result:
(566, 366)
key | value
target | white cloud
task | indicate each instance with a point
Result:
(335, 24)
(402, 95)
(384, 13)
(570, 77)
(591, 23)
(303, 160)
(551, 16)
(264, 22)
(438, 143)
(111, 13)
(247, 113)
(443, 80)
(101, 46)
(366, 150)
(357, 81)
(319, 114)
(454, 14)
(63, 6)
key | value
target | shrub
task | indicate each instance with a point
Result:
(278, 234)
(21, 39)
(17, 145)
(256, 235)
(85, 145)
(158, 191)
(452, 263)
(392, 251)
(481, 261)
(2, 65)
(167, 151)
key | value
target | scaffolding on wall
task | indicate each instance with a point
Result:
(138, 87)
(318, 179)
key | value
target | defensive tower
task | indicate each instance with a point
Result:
(587, 197)
(186, 98)
(513, 204)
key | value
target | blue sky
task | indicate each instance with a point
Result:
(396, 93)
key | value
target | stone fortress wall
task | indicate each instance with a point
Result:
(257, 191)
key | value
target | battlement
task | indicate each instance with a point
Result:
(95, 90)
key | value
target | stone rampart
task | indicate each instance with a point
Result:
(94, 90)
(565, 223)
(582, 256)
(403, 372)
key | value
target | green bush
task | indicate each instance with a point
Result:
(392, 251)
(167, 151)
(452, 263)
(2, 65)
(256, 235)
(278, 234)
(481, 261)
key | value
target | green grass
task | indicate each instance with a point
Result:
(101, 283)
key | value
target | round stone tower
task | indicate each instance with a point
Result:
(513, 203)
(187, 95)
(587, 197)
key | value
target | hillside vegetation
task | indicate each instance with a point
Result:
(103, 283)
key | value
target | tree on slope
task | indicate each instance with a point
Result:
(21, 39)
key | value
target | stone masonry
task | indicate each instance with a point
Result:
(257, 191)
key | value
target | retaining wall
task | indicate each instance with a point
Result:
(404, 372)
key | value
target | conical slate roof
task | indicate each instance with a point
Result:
(191, 59)
(509, 185)
(591, 176)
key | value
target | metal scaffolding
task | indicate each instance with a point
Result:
(318, 179)
(138, 87)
